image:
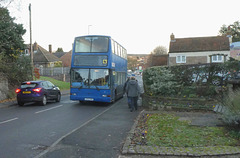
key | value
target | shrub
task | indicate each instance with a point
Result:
(188, 91)
(175, 80)
(160, 81)
(16, 71)
(231, 102)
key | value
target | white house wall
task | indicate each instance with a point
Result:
(198, 54)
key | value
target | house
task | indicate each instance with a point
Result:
(59, 54)
(44, 58)
(66, 59)
(198, 50)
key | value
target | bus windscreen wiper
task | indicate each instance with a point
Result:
(83, 83)
(96, 87)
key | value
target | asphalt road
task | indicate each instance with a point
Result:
(101, 137)
(29, 130)
(65, 129)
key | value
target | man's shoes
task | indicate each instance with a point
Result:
(131, 110)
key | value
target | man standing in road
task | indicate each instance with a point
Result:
(133, 90)
(125, 85)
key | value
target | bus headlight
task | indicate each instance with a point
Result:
(106, 95)
(73, 94)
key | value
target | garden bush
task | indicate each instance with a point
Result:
(231, 112)
(16, 71)
(160, 81)
(186, 80)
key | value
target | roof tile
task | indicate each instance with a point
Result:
(197, 44)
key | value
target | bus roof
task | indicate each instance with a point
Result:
(94, 36)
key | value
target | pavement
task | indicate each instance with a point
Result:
(109, 134)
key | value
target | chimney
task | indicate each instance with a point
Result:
(35, 47)
(50, 48)
(172, 37)
(229, 31)
(229, 34)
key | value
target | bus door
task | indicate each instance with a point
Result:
(112, 85)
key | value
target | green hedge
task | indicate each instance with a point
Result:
(178, 81)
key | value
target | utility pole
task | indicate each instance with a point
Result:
(89, 29)
(31, 51)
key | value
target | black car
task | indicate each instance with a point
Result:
(235, 80)
(37, 91)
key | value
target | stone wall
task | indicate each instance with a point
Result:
(160, 103)
(3, 87)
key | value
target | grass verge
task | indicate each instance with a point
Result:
(62, 85)
(166, 130)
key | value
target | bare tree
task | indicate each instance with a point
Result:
(159, 50)
(5, 3)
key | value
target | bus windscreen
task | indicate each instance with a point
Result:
(90, 78)
(91, 44)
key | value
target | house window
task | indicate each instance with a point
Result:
(217, 58)
(181, 59)
(51, 64)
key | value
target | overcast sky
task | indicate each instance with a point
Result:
(138, 25)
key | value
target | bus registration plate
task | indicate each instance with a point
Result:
(88, 99)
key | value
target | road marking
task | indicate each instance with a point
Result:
(8, 120)
(48, 109)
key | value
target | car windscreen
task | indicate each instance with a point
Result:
(31, 85)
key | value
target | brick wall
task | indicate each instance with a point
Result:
(159, 60)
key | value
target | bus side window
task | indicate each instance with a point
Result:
(121, 51)
(112, 46)
(124, 53)
(118, 50)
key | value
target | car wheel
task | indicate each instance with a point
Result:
(58, 97)
(44, 101)
(20, 103)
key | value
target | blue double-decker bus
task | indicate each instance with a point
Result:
(98, 69)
